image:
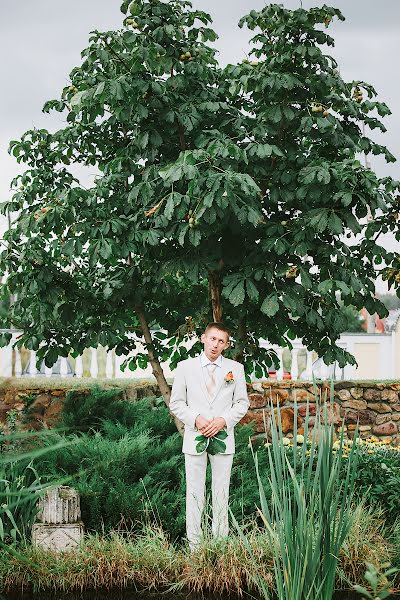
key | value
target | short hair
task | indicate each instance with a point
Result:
(219, 326)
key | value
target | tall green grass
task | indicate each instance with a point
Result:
(310, 511)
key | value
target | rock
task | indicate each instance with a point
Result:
(383, 418)
(395, 416)
(287, 419)
(372, 394)
(390, 396)
(379, 407)
(312, 409)
(58, 393)
(364, 417)
(256, 416)
(365, 427)
(386, 439)
(257, 387)
(351, 427)
(9, 397)
(343, 395)
(354, 404)
(385, 429)
(396, 407)
(257, 400)
(276, 396)
(333, 413)
(302, 395)
(357, 392)
(52, 412)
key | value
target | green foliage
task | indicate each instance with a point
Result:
(378, 584)
(310, 513)
(19, 492)
(244, 178)
(214, 445)
(377, 480)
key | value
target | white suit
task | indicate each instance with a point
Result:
(190, 398)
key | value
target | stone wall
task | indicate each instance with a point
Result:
(376, 406)
(40, 404)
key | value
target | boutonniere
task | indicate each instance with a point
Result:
(229, 378)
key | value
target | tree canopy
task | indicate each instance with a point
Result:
(231, 192)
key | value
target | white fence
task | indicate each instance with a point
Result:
(375, 354)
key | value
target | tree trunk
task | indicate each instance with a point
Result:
(242, 337)
(214, 287)
(155, 363)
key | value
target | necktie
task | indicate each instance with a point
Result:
(211, 382)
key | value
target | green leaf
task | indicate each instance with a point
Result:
(236, 297)
(100, 89)
(251, 290)
(270, 306)
(202, 445)
(216, 446)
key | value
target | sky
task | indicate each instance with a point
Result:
(41, 41)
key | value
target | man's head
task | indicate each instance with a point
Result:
(215, 340)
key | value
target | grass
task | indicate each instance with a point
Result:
(150, 561)
(67, 383)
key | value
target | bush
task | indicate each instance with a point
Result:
(128, 467)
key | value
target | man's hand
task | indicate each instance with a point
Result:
(214, 426)
(201, 423)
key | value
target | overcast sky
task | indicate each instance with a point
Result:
(41, 41)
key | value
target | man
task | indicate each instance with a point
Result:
(209, 396)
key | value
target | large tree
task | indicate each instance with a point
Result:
(232, 193)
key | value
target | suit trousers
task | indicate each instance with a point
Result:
(195, 466)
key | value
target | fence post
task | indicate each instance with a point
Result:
(79, 366)
(94, 366)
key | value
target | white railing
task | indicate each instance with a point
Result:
(375, 353)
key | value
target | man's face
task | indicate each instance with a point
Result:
(214, 342)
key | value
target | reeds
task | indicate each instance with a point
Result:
(310, 513)
(151, 561)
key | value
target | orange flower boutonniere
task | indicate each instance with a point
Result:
(229, 378)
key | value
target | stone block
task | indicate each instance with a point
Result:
(312, 409)
(343, 395)
(383, 418)
(379, 407)
(59, 505)
(276, 396)
(287, 419)
(257, 400)
(302, 395)
(371, 394)
(53, 411)
(354, 403)
(364, 417)
(396, 407)
(365, 428)
(257, 387)
(58, 538)
(385, 429)
(357, 392)
(391, 396)
(256, 416)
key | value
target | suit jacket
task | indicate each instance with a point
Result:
(190, 398)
